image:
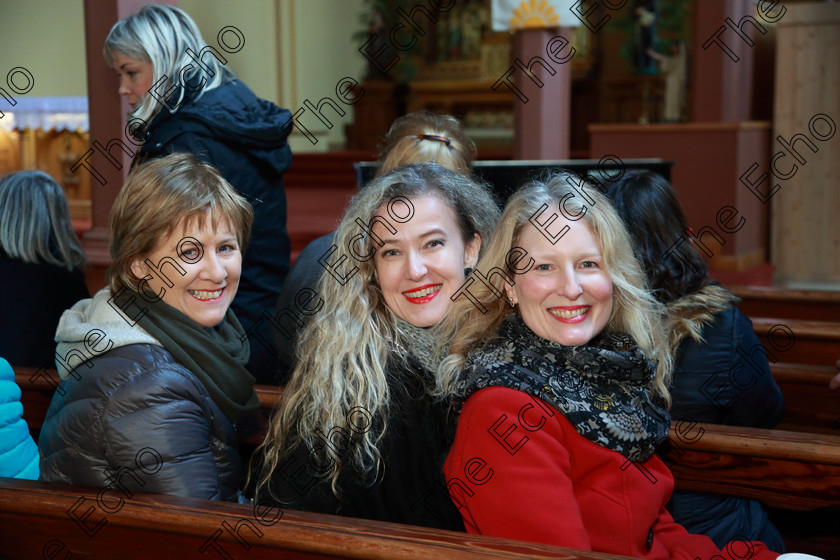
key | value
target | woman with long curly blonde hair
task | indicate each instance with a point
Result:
(358, 431)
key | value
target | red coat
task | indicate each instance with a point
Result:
(519, 469)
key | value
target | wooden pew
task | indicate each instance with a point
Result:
(719, 462)
(771, 301)
(810, 406)
(34, 520)
(37, 388)
(812, 342)
(788, 470)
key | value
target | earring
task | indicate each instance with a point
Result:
(467, 271)
(512, 303)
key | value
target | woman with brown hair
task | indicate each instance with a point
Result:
(154, 364)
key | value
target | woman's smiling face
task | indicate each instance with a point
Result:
(566, 297)
(422, 265)
(211, 272)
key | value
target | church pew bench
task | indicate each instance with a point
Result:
(40, 519)
(799, 342)
(784, 303)
(810, 406)
(787, 470)
(792, 470)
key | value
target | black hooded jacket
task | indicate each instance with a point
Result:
(244, 137)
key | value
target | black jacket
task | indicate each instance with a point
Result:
(32, 298)
(725, 380)
(244, 137)
(411, 488)
(304, 274)
(138, 421)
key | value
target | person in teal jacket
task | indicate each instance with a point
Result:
(18, 452)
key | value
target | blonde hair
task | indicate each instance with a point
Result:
(345, 349)
(35, 224)
(161, 195)
(634, 310)
(161, 35)
(423, 137)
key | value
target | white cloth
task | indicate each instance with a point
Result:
(46, 113)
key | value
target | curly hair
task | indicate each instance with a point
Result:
(344, 349)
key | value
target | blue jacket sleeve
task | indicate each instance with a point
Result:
(18, 452)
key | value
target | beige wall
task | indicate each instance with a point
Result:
(47, 38)
(294, 50)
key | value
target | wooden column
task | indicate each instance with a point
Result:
(107, 128)
(803, 184)
(541, 113)
(722, 59)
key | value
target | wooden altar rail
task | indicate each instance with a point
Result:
(35, 523)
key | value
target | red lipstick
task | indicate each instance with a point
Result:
(422, 299)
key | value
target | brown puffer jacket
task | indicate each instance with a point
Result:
(138, 421)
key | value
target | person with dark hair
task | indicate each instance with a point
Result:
(721, 374)
(206, 111)
(41, 264)
(153, 366)
(419, 137)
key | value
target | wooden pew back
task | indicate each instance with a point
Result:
(787, 470)
(52, 520)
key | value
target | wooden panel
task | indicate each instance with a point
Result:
(318, 188)
(771, 301)
(805, 236)
(810, 406)
(156, 526)
(709, 159)
(788, 470)
(812, 342)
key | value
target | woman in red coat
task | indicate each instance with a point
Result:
(562, 404)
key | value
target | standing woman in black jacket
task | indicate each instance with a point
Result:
(184, 99)
(721, 375)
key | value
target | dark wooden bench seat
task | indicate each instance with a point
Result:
(790, 470)
(813, 342)
(772, 301)
(810, 406)
(34, 523)
(787, 470)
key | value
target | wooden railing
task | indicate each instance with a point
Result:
(49, 520)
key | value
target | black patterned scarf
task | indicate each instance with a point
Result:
(600, 388)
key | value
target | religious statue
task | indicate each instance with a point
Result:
(674, 68)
